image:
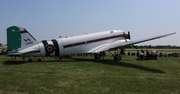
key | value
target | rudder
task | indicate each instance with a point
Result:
(19, 38)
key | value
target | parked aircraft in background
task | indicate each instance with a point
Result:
(21, 43)
(2, 46)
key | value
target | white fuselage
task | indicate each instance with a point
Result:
(21, 43)
(76, 44)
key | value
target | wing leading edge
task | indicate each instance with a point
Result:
(118, 43)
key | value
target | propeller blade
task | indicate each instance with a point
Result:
(129, 36)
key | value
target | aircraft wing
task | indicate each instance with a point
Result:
(21, 52)
(119, 43)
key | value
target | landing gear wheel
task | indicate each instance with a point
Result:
(30, 60)
(39, 60)
(117, 57)
(96, 56)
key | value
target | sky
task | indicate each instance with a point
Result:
(49, 19)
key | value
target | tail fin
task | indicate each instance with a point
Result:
(19, 38)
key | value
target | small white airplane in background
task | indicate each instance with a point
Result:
(21, 43)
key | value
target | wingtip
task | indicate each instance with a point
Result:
(172, 33)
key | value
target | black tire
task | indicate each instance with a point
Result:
(96, 56)
(117, 57)
(39, 60)
(30, 60)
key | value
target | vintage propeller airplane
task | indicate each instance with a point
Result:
(21, 43)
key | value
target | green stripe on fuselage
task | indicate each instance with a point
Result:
(13, 38)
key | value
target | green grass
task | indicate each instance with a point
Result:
(84, 75)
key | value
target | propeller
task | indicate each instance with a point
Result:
(129, 37)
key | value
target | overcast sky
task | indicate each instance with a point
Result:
(49, 19)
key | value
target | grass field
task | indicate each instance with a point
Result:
(83, 75)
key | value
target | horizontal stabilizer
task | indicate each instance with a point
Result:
(26, 51)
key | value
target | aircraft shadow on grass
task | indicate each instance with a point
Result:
(106, 61)
(13, 62)
(122, 64)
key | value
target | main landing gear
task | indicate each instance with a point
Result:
(116, 55)
(101, 55)
(32, 59)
